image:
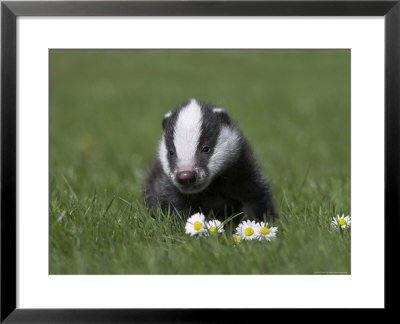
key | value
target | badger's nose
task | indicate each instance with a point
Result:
(186, 177)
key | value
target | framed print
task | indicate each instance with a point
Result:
(180, 156)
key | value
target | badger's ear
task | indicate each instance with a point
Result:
(222, 115)
(165, 119)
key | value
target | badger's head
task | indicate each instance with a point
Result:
(199, 141)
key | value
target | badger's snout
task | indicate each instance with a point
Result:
(190, 180)
(186, 177)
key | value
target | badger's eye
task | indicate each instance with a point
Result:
(205, 149)
(171, 153)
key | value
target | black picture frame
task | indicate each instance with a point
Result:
(10, 10)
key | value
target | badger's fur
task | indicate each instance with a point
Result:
(205, 164)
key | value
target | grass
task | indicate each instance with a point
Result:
(106, 108)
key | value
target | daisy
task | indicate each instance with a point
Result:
(215, 226)
(267, 233)
(236, 238)
(248, 230)
(196, 224)
(341, 221)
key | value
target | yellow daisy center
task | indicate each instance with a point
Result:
(264, 230)
(197, 225)
(236, 238)
(212, 229)
(248, 231)
(342, 222)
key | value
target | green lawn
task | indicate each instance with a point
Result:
(106, 108)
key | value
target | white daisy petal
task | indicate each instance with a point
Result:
(342, 221)
(248, 230)
(267, 233)
(214, 226)
(236, 238)
(196, 225)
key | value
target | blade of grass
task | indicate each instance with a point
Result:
(70, 188)
(108, 207)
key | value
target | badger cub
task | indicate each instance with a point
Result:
(205, 164)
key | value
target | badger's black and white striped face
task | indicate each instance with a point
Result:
(198, 142)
